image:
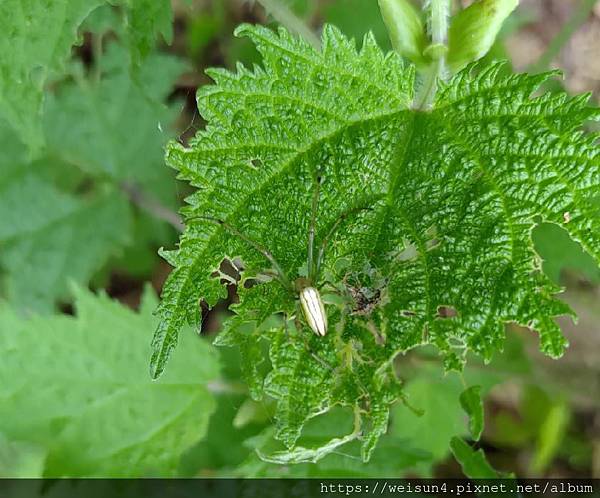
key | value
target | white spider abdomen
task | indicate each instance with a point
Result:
(314, 310)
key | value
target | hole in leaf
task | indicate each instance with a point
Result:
(446, 312)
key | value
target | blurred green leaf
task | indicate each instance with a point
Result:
(113, 129)
(509, 431)
(50, 236)
(204, 27)
(223, 449)
(79, 388)
(109, 125)
(438, 398)
(20, 459)
(473, 462)
(36, 41)
(145, 20)
(559, 252)
(104, 19)
(470, 400)
(284, 12)
(542, 423)
(356, 18)
(550, 435)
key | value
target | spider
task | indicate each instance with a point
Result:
(305, 288)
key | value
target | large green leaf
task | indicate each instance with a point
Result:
(436, 212)
(79, 388)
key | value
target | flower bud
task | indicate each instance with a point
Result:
(406, 28)
(474, 30)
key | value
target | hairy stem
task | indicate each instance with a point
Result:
(438, 12)
(428, 89)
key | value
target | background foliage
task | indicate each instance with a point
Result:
(89, 96)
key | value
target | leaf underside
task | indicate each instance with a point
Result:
(440, 207)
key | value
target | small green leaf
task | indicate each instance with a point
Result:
(550, 436)
(50, 236)
(146, 19)
(470, 400)
(473, 462)
(405, 27)
(474, 30)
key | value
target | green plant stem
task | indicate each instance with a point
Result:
(97, 55)
(428, 88)
(284, 15)
(152, 206)
(439, 15)
(564, 35)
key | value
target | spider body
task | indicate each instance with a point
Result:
(314, 310)
(305, 289)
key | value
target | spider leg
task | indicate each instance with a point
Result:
(379, 337)
(265, 252)
(321, 361)
(333, 288)
(311, 228)
(285, 327)
(332, 230)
